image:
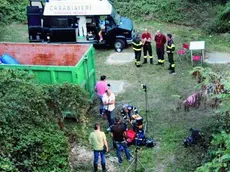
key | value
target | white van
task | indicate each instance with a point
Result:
(59, 21)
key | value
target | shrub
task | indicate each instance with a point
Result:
(30, 139)
(218, 158)
(221, 24)
(219, 155)
(189, 13)
(13, 10)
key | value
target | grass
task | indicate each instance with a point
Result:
(184, 34)
(14, 33)
(166, 125)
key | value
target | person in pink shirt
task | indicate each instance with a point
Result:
(100, 88)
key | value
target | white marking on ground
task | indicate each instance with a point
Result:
(117, 86)
(218, 58)
(120, 58)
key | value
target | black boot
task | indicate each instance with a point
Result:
(159, 63)
(95, 167)
(172, 72)
(170, 67)
(138, 64)
(151, 61)
(103, 168)
(145, 61)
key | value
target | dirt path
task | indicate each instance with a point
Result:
(82, 158)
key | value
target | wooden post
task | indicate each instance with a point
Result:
(191, 58)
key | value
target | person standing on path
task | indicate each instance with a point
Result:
(98, 140)
(100, 89)
(109, 106)
(160, 40)
(137, 47)
(170, 48)
(146, 38)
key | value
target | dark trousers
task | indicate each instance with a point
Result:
(137, 57)
(110, 117)
(160, 54)
(96, 157)
(101, 110)
(120, 147)
(147, 48)
(171, 62)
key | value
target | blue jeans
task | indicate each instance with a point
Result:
(120, 147)
(110, 117)
(96, 156)
(101, 109)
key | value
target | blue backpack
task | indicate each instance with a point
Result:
(188, 141)
(140, 138)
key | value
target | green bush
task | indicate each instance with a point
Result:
(218, 158)
(13, 10)
(189, 13)
(197, 13)
(30, 138)
(67, 98)
(221, 24)
(219, 154)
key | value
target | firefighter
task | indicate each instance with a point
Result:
(128, 111)
(170, 48)
(137, 47)
(146, 38)
(160, 40)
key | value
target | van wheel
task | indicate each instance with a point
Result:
(119, 45)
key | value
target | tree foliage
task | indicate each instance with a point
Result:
(198, 13)
(30, 139)
(13, 10)
(219, 154)
(218, 158)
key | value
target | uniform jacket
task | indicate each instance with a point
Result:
(170, 46)
(147, 36)
(160, 41)
(137, 44)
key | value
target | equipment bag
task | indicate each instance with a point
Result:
(150, 143)
(130, 134)
(140, 139)
(194, 138)
(188, 141)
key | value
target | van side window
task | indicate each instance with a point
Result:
(62, 23)
(109, 22)
(57, 22)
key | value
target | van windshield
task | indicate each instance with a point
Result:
(116, 16)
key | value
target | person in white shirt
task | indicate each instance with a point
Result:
(109, 106)
(82, 26)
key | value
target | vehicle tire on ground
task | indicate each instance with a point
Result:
(119, 45)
